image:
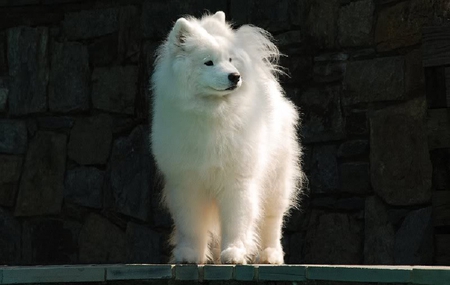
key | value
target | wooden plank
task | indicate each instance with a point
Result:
(436, 46)
(51, 274)
(139, 272)
(432, 275)
(245, 272)
(218, 272)
(281, 273)
(186, 272)
(441, 208)
(383, 274)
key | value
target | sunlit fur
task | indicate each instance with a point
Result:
(230, 158)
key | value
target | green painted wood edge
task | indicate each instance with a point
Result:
(245, 272)
(381, 274)
(186, 272)
(51, 274)
(282, 273)
(218, 272)
(139, 272)
(431, 275)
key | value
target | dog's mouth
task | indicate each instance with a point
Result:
(231, 88)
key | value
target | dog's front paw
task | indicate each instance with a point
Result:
(233, 255)
(271, 255)
(184, 254)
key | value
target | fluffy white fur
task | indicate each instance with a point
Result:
(224, 137)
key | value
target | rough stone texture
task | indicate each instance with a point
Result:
(438, 127)
(333, 238)
(355, 23)
(42, 182)
(322, 118)
(130, 180)
(341, 204)
(414, 74)
(329, 70)
(83, 186)
(3, 98)
(272, 15)
(55, 123)
(298, 69)
(3, 61)
(28, 67)
(13, 137)
(69, 78)
(399, 159)
(103, 51)
(129, 32)
(101, 241)
(442, 249)
(440, 159)
(9, 239)
(401, 24)
(379, 233)
(39, 247)
(321, 22)
(90, 140)
(10, 168)
(353, 148)
(380, 79)
(355, 177)
(114, 89)
(90, 23)
(414, 239)
(356, 123)
(143, 244)
(324, 174)
(295, 251)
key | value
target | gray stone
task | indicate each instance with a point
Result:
(353, 148)
(379, 233)
(356, 123)
(42, 182)
(101, 241)
(129, 38)
(440, 159)
(355, 177)
(380, 79)
(329, 71)
(143, 244)
(271, 15)
(69, 78)
(13, 137)
(83, 186)
(333, 238)
(438, 127)
(442, 249)
(103, 51)
(355, 23)
(322, 118)
(333, 203)
(55, 123)
(414, 239)
(321, 23)
(131, 169)
(3, 61)
(414, 74)
(114, 89)
(3, 98)
(9, 239)
(10, 168)
(90, 140)
(324, 175)
(90, 23)
(400, 163)
(28, 67)
(298, 69)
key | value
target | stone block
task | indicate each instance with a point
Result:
(114, 89)
(442, 249)
(333, 238)
(353, 148)
(296, 241)
(55, 122)
(355, 23)
(380, 79)
(299, 69)
(143, 244)
(271, 15)
(3, 98)
(414, 74)
(90, 140)
(379, 233)
(441, 208)
(322, 118)
(324, 174)
(400, 163)
(356, 123)
(29, 69)
(83, 186)
(69, 88)
(400, 25)
(329, 71)
(103, 51)
(3, 60)
(42, 182)
(414, 239)
(13, 137)
(355, 177)
(440, 159)
(438, 127)
(9, 239)
(321, 23)
(42, 248)
(129, 37)
(130, 169)
(90, 23)
(10, 168)
(341, 204)
(101, 241)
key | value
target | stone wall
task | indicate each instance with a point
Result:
(77, 183)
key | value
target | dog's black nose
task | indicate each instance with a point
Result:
(234, 77)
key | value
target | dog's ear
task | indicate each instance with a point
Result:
(181, 30)
(220, 15)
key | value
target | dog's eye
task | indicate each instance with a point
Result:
(229, 59)
(209, 63)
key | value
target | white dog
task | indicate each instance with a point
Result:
(224, 137)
